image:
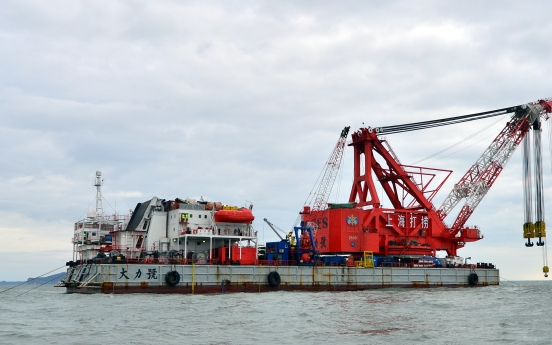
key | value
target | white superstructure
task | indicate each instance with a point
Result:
(182, 230)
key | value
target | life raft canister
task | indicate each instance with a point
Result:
(242, 215)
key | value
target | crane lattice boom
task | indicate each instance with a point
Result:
(330, 173)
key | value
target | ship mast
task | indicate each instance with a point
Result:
(98, 184)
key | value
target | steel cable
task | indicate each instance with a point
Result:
(462, 149)
(539, 196)
(444, 122)
(36, 287)
(408, 128)
(459, 142)
(30, 280)
(527, 179)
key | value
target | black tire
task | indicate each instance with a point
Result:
(274, 279)
(172, 278)
(473, 279)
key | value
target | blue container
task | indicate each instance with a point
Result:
(334, 260)
(277, 250)
(384, 261)
(437, 262)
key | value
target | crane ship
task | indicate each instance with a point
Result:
(197, 246)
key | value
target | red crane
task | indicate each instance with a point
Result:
(413, 225)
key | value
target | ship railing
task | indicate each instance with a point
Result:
(112, 218)
(173, 261)
(389, 264)
(132, 249)
(215, 232)
(88, 222)
(407, 264)
(202, 261)
(88, 227)
(276, 262)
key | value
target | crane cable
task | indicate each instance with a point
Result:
(539, 195)
(527, 187)
(460, 142)
(538, 228)
(414, 126)
(539, 191)
(544, 249)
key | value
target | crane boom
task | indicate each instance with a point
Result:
(330, 173)
(272, 226)
(477, 181)
(289, 235)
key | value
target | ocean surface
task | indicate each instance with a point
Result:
(512, 313)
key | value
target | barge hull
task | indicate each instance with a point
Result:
(196, 279)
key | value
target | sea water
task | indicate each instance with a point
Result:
(512, 313)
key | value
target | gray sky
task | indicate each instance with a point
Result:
(237, 101)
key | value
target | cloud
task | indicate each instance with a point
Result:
(123, 195)
(245, 101)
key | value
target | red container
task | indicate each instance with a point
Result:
(243, 255)
(341, 231)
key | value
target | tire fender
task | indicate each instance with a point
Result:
(473, 279)
(172, 278)
(274, 279)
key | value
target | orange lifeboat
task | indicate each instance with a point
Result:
(243, 215)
